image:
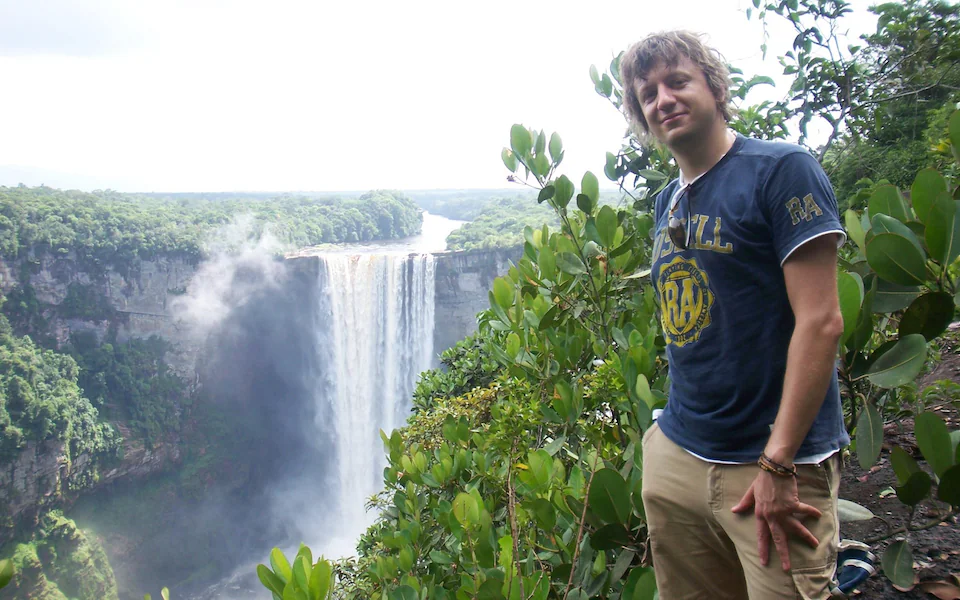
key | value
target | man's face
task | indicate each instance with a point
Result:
(677, 103)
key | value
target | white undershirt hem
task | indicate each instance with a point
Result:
(812, 459)
(840, 242)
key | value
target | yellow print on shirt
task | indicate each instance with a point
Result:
(685, 301)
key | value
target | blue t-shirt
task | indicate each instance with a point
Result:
(723, 302)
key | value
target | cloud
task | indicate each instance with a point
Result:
(69, 28)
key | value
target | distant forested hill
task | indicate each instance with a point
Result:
(496, 217)
(110, 227)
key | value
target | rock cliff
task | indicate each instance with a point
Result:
(462, 282)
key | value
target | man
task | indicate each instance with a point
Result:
(741, 470)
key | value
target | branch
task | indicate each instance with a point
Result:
(912, 92)
(833, 135)
(886, 72)
(583, 519)
(928, 525)
(511, 508)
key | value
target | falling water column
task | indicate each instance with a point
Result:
(378, 339)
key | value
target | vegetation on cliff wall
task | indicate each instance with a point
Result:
(131, 382)
(41, 400)
(59, 562)
(109, 228)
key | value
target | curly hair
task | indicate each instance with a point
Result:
(669, 48)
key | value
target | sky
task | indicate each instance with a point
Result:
(297, 95)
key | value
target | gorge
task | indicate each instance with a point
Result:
(313, 355)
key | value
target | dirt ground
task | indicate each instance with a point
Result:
(936, 551)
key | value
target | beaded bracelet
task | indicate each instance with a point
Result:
(767, 464)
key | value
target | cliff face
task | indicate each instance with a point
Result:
(140, 301)
(462, 282)
(132, 305)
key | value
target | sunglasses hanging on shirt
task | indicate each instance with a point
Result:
(677, 230)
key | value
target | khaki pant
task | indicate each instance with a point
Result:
(702, 551)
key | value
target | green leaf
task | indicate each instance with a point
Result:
(320, 578)
(404, 592)
(887, 224)
(903, 464)
(594, 75)
(929, 315)
(304, 549)
(520, 141)
(643, 390)
(440, 558)
(564, 191)
(545, 194)
(503, 292)
(610, 537)
(590, 230)
(405, 559)
(891, 297)
(540, 465)
(570, 263)
(610, 167)
(512, 345)
(927, 185)
(851, 511)
(854, 229)
(540, 143)
(584, 203)
(900, 364)
(850, 291)
(509, 159)
(887, 200)
(949, 489)
(609, 496)
(541, 165)
(607, 225)
(270, 580)
(943, 230)
(896, 259)
(280, 565)
(869, 436)
(898, 564)
(165, 593)
(292, 592)
(623, 563)
(547, 263)
(933, 439)
(301, 571)
(590, 186)
(490, 589)
(640, 585)
(544, 513)
(556, 148)
(915, 489)
(555, 446)
(465, 509)
(651, 175)
(6, 571)
(549, 318)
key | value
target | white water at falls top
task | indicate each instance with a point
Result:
(380, 337)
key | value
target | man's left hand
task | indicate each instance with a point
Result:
(777, 506)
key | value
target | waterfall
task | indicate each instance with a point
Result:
(374, 336)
